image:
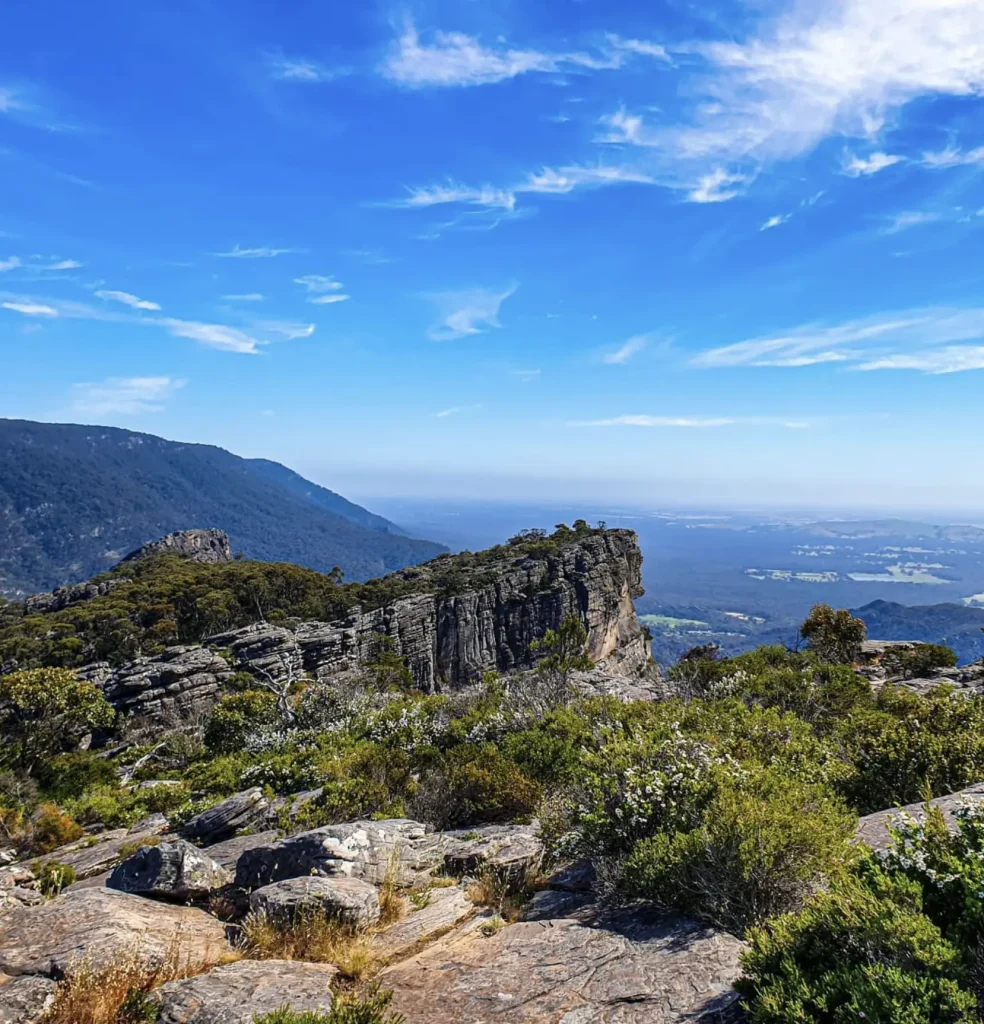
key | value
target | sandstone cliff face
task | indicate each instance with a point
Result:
(449, 640)
(197, 545)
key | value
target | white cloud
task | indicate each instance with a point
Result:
(438, 195)
(455, 409)
(655, 421)
(456, 59)
(288, 329)
(226, 339)
(319, 283)
(299, 69)
(127, 299)
(909, 219)
(857, 166)
(328, 300)
(124, 395)
(248, 297)
(951, 359)
(465, 313)
(63, 265)
(9, 264)
(625, 352)
(717, 186)
(908, 337)
(253, 254)
(622, 127)
(30, 308)
(953, 157)
(639, 46)
(776, 221)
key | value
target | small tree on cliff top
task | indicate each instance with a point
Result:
(834, 636)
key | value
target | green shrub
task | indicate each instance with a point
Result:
(236, 716)
(346, 1008)
(858, 952)
(762, 846)
(922, 661)
(52, 876)
(68, 776)
(834, 636)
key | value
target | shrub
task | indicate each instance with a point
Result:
(52, 876)
(346, 1008)
(314, 936)
(236, 716)
(761, 847)
(50, 827)
(68, 776)
(475, 784)
(921, 661)
(856, 952)
(834, 636)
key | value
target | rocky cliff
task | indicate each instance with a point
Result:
(198, 545)
(468, 616)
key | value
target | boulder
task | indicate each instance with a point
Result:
(360, 849)
(18, 896)
(25, 1000)
(227, 853)
(100, 925)
(171, 870)
(242, 810)
(444, 908)
(873, 828)
(237, 993)
(511, 851)
(350, 900)
(581, 969)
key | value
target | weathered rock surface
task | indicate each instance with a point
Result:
(873, 828)
(171, 870)
(241, 810)
(99, 925)
(195, 545)
(261, 648)
(19, 896)
(227, 853)
(175, 685)
(26, 999)
(236, 993)
(92, 855)
(443, 909)
(581, 969)
(359, 849)
(448, 641)
(508, 850)
(350, 900)
(62, 597)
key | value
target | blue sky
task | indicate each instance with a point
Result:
(558, 248)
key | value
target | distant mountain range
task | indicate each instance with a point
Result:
(902, 529)
(955, 625)
(75, 499)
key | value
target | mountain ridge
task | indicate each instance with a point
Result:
(75, 498)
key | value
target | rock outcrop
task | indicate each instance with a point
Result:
(173, 870)
(495, 613)
(350, 900)
(195, 545)
(239, 811)
(873, 829)
(62, 597)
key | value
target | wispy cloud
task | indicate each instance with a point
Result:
(911, 339)
(717, 186)
(301, 69)
(438, 195)
(692, 422)
(126, 396)
(29, 308)
(448, 59)
(288, 329)
(328, 300)
(858, 166)
(455, 410)
(128, 300)
(247, 297)
(9, 264)
(323, 289)
(464, 313)
(639, 46)
(63, 265)
(776, 221)
(226, 339)
(625, 352)
(259, 253)
(953, 157)
(909, 219)
(25, 103)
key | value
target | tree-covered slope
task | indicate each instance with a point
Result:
(75, 499)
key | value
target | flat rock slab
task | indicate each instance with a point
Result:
(873, 828)
(95, 854)
(227, 853)
(445, 907)
(360, 849)
(26, 999)
(509, 850)
(171, 870)
(224, 820)
(625, 969)
(99, 925)
(351, 900)
(236, 993)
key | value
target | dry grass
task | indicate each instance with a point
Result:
(118, 993)
(316, 937)
(391, 904)
(505, 896)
